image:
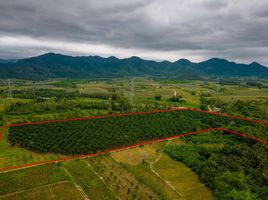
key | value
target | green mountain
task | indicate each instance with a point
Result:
(53, 65)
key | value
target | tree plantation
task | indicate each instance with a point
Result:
(98, 134)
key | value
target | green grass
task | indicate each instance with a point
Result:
(180, 176)
(123, 183)
(57, 191)
(145, 91)
(28, 178)
(14, 156)
(183, 179)
(144, 173)
(87, 180)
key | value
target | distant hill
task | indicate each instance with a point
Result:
(53, 65)
(8, 61)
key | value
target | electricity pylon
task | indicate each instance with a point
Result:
(33, 89)
(218, 85)
(9, 93)
(132, 91)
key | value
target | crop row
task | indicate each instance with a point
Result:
(90, 136)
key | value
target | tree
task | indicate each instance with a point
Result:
(230, 185)
(157, 97)
(176, 99)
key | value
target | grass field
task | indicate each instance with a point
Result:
(84, 177)
(57, 191)
(123, 183)
(143, 161)
(28, 178)
(136, 156)
(183, 179)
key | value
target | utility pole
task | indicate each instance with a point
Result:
(9, 93)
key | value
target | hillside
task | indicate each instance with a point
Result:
(53, 65)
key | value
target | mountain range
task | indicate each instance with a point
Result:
(52, 65)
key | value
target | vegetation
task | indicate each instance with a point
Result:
(61, 66)
(248, 108)
(84, 176)
(15, 156)
(56, 191)
(1, 119)
(123, 183)
(158, 97)
(176, 99)
(145, 161)
(89, 136)
(43, 106)
(30, 177)
(233, 164)
(237, 170)
(183, 179)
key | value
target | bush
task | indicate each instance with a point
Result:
(158, 97)
(176, 99)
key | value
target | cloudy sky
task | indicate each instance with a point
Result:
(152, 29)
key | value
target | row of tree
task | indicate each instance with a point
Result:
(89, 136)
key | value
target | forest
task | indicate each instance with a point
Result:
(97, 134)
(237, 170)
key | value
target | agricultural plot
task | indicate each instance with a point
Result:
(57, 191)
(183, 179)
(102, 133)
(59, 99)
(71, 180)
(171, 179)
(114, 177)
(15, 156)
(138, 155)
(121, 182)
(24, 179)
(84, 177)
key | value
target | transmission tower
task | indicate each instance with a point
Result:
(218, 84)
(9, 93)
(33, 89)
(132, 91)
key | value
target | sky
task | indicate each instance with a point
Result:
(152, 29)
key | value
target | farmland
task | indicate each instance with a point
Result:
(153, 171)
(98, 134)
(30, 177)
(64, 191)
(57, 99)
(101, 177)
(144, 176)
(14, 156)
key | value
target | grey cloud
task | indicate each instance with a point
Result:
(223, 27)
(214, 4)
